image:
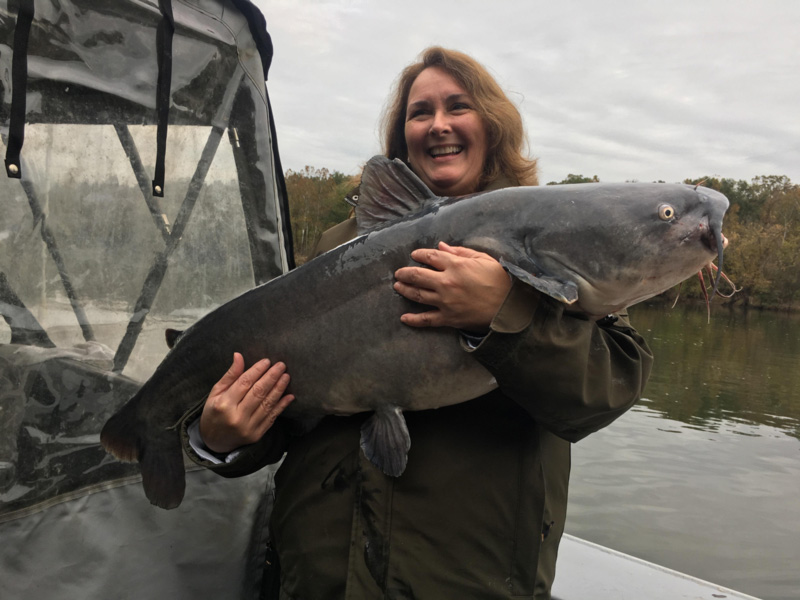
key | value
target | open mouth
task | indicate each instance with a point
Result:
(709, 236)
(714, 240)
(450, 150)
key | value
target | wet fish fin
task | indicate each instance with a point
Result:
(563, 291)
(172, 336)
(160, 460)
(163, 474)
(389, 191)
(119, 438)
(385, 440)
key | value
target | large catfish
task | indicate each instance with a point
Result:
(335, 321)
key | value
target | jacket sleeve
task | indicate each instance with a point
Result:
(573, 375)
(247, 459)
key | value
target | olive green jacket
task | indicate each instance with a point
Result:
(480, 509)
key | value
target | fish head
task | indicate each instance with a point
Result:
(631, 242)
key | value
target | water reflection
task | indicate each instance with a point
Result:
(703, 475)
(741, 367)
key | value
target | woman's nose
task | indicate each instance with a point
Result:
(440, 124)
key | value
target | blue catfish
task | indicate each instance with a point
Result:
(335, 321)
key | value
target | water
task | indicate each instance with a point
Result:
(703, 475)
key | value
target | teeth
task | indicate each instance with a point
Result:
(441, 150)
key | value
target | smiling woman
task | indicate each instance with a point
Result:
(499, 462)
(471, 103)
(446, 136)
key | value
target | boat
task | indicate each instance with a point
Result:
(143, 188)
(586, 570)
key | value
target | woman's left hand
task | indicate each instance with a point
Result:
(466, 288)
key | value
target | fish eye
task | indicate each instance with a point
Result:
(666, 212)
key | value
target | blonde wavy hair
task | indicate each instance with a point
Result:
(505, 133)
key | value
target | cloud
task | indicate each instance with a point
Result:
(619, 89)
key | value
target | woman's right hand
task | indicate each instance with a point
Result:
(243, 405)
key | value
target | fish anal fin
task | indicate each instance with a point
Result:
(389, 191)
(563, 291)
(385, 440)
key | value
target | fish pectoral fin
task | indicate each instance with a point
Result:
(385, 440)
(563, 291)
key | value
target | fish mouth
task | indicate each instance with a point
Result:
(446, 150)
(711, 236)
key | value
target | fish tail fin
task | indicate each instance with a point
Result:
(385, 440)
(163, 474)
(119, 438)
(160, 459)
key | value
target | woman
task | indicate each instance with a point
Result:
(480, 508)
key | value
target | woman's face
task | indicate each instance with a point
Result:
(445, 135)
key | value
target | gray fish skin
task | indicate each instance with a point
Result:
(335, 321)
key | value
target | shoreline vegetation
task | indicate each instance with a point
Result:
(762, 224)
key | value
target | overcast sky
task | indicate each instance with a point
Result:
(625, 90)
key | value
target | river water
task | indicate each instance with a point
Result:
(703, 474)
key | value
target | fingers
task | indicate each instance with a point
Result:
(442, 257)
(466, 287)
(421, 284)
(231, 375)
(417, 292)
(265, 394)
(271, 408)
(431, 318)
(446, 257)
(461, 251)
(242, 406)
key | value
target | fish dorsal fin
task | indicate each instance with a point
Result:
(389, 191)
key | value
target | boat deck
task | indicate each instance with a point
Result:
(588, 570)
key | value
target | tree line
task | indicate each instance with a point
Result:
(762, 224)
(316, 203)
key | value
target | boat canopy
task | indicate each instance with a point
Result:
(142, 189)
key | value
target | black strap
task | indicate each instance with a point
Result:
(19, 83)
(166, 29)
